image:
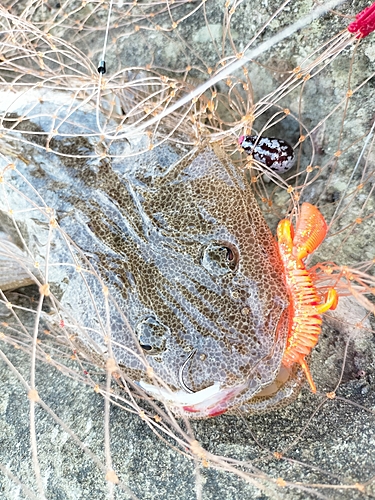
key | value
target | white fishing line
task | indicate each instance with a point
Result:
(221, 75)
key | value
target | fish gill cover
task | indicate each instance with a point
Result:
(108, 185)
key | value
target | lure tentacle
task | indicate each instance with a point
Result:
(311, 229)
(305, 308)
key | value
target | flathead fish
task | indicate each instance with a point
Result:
(160, 260)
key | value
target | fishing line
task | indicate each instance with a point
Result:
(225, 72)
(102, 67)
(367, 140)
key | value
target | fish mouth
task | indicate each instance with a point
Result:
(209, 402)
(213, 400)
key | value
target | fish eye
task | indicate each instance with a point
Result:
(220, 258)
(151, 335)
(230, 255)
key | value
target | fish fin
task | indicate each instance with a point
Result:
(14, 264)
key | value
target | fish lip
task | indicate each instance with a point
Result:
(219, 406)
(208, 402)
(180, 397)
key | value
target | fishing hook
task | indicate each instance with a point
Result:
(181, 370)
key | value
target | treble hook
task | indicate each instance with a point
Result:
(180, 373)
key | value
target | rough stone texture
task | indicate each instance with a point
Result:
(330, 443)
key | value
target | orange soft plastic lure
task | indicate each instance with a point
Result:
(305, 308)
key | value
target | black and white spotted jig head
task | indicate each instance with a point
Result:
(274, 153)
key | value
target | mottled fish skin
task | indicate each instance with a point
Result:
(181, 245)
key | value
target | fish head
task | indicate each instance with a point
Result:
(211, 280)
(198, 297)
